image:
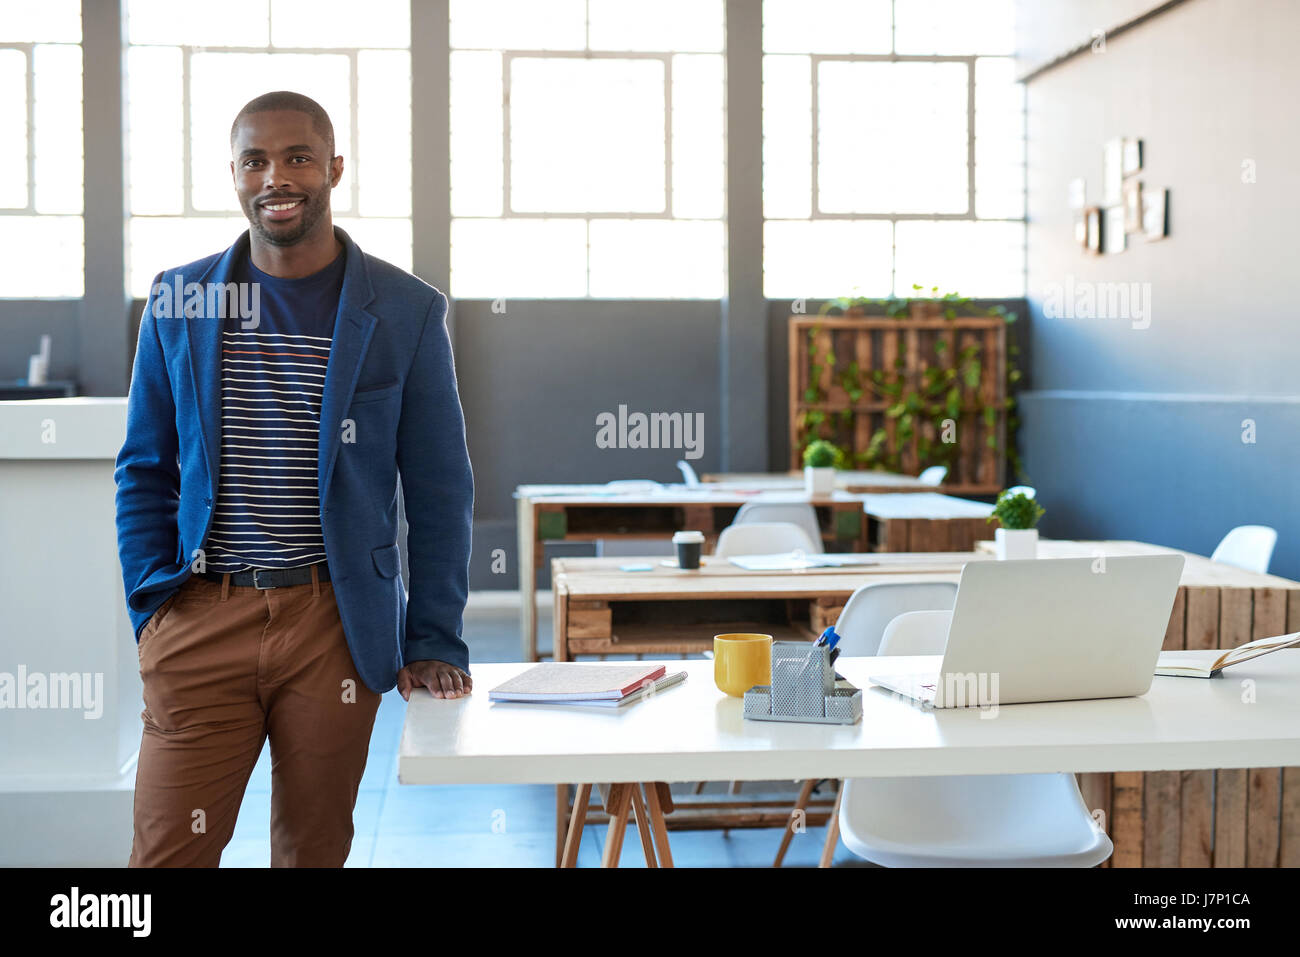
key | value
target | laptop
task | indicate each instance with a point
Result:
(1056, 629)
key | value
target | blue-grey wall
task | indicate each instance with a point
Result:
(1138, 432)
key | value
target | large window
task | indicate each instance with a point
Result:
(893, 148)
(587, 149)
(191, 66)
(41, 227)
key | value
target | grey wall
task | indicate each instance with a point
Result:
(1137, 433)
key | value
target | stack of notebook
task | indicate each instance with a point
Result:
(596, 686)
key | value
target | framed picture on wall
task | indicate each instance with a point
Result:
(1093, 222)
(1112, 230)
(1132, 161)
(1133, 206)
(1155, 214)
(1112, 173)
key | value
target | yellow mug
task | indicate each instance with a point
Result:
(741, 661)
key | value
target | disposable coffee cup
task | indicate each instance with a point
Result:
(688, 548)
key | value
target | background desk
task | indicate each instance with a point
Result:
(926, 522)
(585, 513)
(693, 732)
(845, 481)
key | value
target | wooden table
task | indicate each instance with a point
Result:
(1160, 818)
(602, 610)
(926, 522)
(584, 513)
(693, 732)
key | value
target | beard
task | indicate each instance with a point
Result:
(313, 208)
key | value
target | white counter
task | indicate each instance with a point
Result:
(66, 776)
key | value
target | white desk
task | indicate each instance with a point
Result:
(693, 732)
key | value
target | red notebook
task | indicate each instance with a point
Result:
(570, 681)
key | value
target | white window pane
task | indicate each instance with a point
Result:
(699, 160)
(982, 260)
(827, 258)
(787, 137)
(44, 257)
(954, 26)
(678, 25)
(340, 23)
(892, 137)
(57, 133)
(158, 243)
(13, 120)
(587, 135)
(826, 26)
(657, 259)
(155, 168)
(525, 258)
(49, 21)
(220, 85)
(209, 23)
(389, 239)
(476, 135)
(383, 166)
(519, 24)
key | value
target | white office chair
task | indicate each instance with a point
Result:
(798, 513)
(763, 538)
(688, 473)
(976, 820)
(1247, 546)
(934, 475)
(870, 609)
(866, 615)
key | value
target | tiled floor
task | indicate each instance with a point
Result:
(490, 826)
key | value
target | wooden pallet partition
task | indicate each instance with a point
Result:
(906, 348)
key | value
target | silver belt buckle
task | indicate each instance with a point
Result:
(260, 587)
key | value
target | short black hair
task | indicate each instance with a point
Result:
(288, 100)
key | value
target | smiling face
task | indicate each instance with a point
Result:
(283, 175)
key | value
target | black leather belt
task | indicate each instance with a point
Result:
(265, 578)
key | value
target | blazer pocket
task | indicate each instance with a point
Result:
(377, 393)
(388, 560)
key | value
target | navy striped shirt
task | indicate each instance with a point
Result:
(267, 513)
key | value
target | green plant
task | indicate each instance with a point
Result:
(1017, 511)
(821, 454)
(918, 411)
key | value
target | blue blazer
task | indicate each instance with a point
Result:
(390, 373)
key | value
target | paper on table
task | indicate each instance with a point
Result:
(783, 561)
(1204, 664)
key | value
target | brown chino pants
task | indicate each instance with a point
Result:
(224, 668)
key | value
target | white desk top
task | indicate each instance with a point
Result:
(923, 505)
(693, 732)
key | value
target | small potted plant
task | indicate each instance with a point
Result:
(1018, 513)
(819, 461)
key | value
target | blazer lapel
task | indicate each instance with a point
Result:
(353, 327)
(204, 334)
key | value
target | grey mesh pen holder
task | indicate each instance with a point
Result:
(803, 688)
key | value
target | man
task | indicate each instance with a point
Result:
(257, 509)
